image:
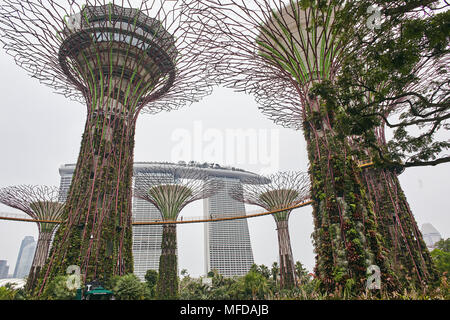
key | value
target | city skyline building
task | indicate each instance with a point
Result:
(25, 257)
(4, 269)
(228, 248)
(430, 235)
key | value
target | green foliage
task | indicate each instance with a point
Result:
(442, 260)
(441, 256)
(382, 70)
(57, 290)
(256, 283)
(443, 245)
(151, 278)
(8, 292)
(261, 269)
(301, 272)
(167, 284)
(129, 287)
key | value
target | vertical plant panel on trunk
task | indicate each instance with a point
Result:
(346, 238)
(167, 284)
(409, 255)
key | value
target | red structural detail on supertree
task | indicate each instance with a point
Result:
(283, 190)
(40, 203)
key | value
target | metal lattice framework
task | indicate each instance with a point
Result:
(277, 50)
(48, 39)
(265, 49)
(40, 203)
(170, 188)
(284, 190)
(120, 58)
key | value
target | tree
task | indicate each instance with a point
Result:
(302, 273)
(443, 245)
(8, 292)
(256, 283)
(57, 290)
(275, 271)
(151, 278)
(441, 256)
(128, 287)
(261, 269)
(395, 73)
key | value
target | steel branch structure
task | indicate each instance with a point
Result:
(119, 58)
(40, 203)
(277, 50)
(170, 189)
(284, 191)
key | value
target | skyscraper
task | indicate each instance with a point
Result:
(227, 243)
(430, 235)
(4, 268)
(25, 257)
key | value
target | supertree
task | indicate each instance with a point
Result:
(278, 51)
(40, 203)
(284, 190)
(170, 188)
(118, 59)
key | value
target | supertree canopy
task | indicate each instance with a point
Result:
(278, 51)
(284, 190)
(118, 58)
(170, 188)
(40, 203)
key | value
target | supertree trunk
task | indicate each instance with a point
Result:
(167, 285)
(40, 256)
(408, 252)
(97, 234)
(287, 269)
(345, 236)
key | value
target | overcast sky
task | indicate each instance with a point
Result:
(41, 130)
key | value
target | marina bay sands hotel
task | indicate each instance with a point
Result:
(227, 244)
